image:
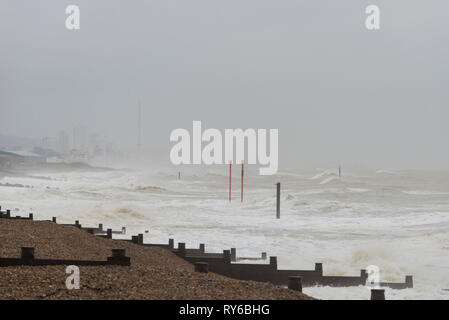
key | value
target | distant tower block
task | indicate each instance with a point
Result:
(64, 142)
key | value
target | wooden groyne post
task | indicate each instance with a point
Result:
(119, 257)
(27, 253)
(319, 268)
(227, 256)
(377, 294)
(202, 267)
(295, 283)
(233, 254)
(182, 249)
(409, 281)
(274, 262)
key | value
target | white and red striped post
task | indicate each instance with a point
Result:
(230, 178)
(243, 170)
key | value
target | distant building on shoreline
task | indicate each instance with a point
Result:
(9, 158)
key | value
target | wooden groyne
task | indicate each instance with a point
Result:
(223, 263)
(270, 273)
(27, 258)
(7, 215)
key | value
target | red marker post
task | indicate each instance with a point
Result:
(230, 176)
(243, 170)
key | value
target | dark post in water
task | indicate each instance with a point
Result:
(377, 294)
(278, 200)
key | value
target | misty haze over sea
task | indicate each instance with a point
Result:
(336, 92)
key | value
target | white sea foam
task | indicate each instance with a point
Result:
(424, 192)
(398, 222)
(387, 172)
(331, 179)
(321, 175)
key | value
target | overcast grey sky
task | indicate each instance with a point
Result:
(336, 91)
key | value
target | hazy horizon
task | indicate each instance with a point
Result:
(337, 92)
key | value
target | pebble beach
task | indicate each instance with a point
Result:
(155, 273)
